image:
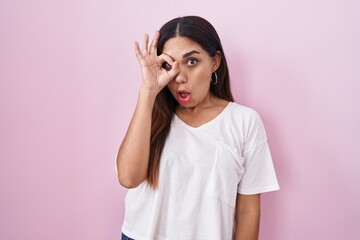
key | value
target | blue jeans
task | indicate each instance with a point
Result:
(124, 237)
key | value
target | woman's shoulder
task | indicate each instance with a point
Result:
(242, 110)
(244, 117)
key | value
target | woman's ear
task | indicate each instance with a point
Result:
(216, 61)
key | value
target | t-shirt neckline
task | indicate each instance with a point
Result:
(204, 125)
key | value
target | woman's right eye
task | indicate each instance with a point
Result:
(166, 66)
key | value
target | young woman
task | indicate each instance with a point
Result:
(194, 161)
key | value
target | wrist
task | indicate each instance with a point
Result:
(147, 94)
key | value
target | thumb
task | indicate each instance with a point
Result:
(174, 70)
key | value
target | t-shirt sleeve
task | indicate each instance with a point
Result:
(259, 172)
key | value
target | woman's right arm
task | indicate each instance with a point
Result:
(134, 151)
(133, 155)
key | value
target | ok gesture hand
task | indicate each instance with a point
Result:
(154, 76)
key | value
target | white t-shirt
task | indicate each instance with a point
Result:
(201, 171)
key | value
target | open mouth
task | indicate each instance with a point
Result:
(183, 96)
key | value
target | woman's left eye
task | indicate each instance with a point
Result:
(192, 61)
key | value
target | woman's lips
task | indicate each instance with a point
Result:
(183, 96)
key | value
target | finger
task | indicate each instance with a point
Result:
(137, 50)
(145, 43)
(154, 42)
(171, 74)
(165, 62)
(174, 70)
(166, 58)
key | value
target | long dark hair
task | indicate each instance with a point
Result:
(203, 33)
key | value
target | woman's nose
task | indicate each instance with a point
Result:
(181, 78)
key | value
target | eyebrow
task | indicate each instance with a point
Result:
(190, 53)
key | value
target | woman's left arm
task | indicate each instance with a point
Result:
(247, 217)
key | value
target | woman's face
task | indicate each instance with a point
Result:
(191, 86)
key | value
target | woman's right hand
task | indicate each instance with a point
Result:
(154, 76)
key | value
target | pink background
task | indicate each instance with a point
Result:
(68, 86)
